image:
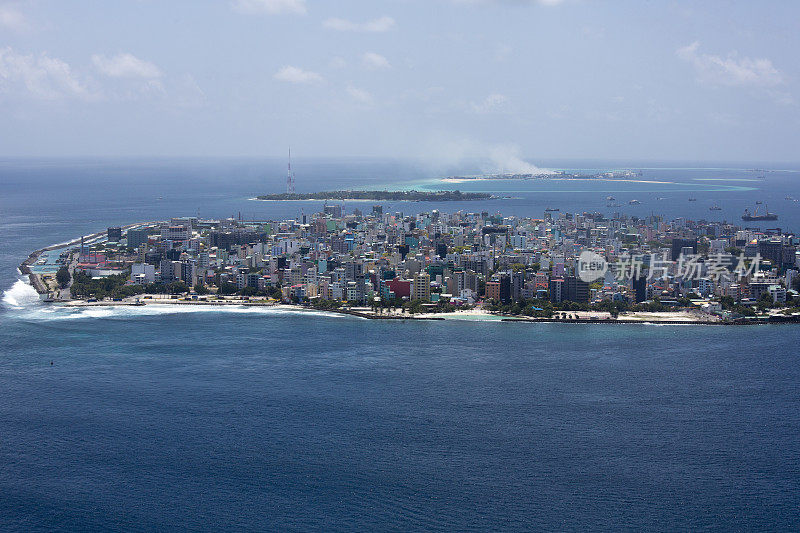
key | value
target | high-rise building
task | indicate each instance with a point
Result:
(136, 237)
(493, 290)
(421, 287)
(556, 289)
(640, 288)
(517, 284)
(771, 250)
(575, 290)
(167, 268)
(114, 234)
(505, 288)
(333, 210)
(679, 244)
(175, 233)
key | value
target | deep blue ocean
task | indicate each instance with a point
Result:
(258, 419)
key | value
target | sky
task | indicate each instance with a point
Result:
(515, 81)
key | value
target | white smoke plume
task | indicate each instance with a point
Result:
(506, 159)
(488, 158)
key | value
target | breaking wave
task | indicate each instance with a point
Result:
(22, 301)
(21, 295)
(43, 312)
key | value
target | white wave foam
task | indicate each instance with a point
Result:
(44, 312)
(22, 301)
(21, 295)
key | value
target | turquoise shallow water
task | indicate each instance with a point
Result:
(266, 419)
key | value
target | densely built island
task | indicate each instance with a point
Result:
(394, 196)
(558, 267)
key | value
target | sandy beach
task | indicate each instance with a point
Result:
(467, 180)
(474, 314)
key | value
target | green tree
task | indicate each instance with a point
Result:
(727, 302)
(63, 277)
(201, 290)
(227, 288)
(765, 301)
(248, 291)
(177, 287)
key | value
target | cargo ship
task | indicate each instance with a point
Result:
(755, 217)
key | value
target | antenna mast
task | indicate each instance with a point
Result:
(290, 176)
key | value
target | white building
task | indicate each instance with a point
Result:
(143, 273)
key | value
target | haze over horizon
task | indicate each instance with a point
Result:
(514, 82)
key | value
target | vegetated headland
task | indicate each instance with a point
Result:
(396, 196)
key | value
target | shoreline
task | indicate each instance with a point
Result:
(676, 318)
(684, 316)
(467, 180)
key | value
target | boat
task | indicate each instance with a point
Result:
(552, 210)
(634, 202)
(610, 198)
(692, 199)
(755, 217)
(715, 207)
(759, 202)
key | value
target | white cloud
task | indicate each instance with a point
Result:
(375, 61)
(125, 66)
(491, 103)
(42, 76)
(510, 2)
(292, 74)
(378, 25)
(272, 7)
(126, 78)
(337, 62)
(360, 95)
(152, 88)
(12, 18)
(731, 70)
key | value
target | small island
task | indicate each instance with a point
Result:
(433, 266)
(396, 196)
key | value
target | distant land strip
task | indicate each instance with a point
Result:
(409, 196)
